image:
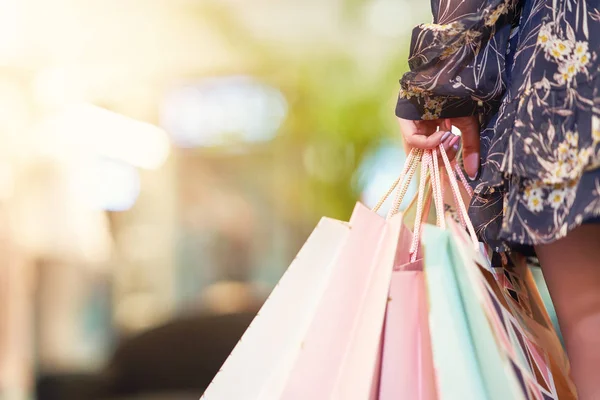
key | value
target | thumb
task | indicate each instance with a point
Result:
(470, 139)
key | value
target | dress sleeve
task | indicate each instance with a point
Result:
(457, 61)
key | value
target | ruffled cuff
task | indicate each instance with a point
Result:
(422, 106)
(456, 68)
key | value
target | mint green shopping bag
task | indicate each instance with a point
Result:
(482, 349)
(485, 345)
(468, 362)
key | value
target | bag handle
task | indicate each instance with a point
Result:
(438, 190)
(425, 170)
(430, 166)
(463, 215)
(463, 179)
(408, 171)
(429, 169)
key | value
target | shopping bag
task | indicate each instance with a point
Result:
(513, 344)
(468, 362)
(272, 341)
(484, 348)
(407, 362)
(339, 353)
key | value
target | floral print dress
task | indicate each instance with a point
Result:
(529, 69)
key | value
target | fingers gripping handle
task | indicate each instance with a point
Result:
(430, 168)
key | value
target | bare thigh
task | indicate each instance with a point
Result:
(571, 268)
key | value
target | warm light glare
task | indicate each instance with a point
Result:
(51, 218)
(58, 86)
(105, 133)
(10, 21)
(7, 180)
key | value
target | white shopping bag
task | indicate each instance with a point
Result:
(270, 346)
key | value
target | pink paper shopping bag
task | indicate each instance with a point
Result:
(339, 357)
(407, 361)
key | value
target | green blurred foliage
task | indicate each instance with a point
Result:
(338, 112)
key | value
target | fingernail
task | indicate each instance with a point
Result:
(455, 147)
(454, 141)
(445, 135)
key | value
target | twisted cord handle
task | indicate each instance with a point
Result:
(458, 198)
(409, 168)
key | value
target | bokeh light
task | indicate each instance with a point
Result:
(221, 111)
(88, 129)
(56, 86)
(108, 184)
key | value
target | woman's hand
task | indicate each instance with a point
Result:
(425, 135)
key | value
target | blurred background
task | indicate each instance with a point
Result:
(161, 163)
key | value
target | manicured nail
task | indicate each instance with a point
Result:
(456, 145)
(445, 135)
(454, 141)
